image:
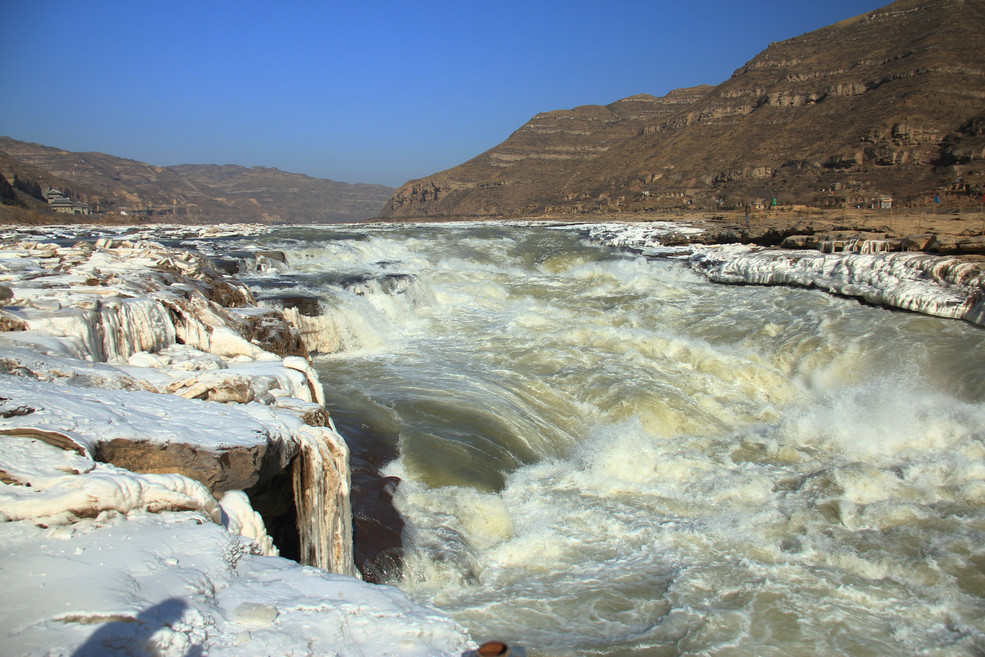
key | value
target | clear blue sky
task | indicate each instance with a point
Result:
(355, 91)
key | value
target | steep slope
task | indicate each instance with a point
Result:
(522, 174)
(193, 193)
(863, 105)
(883, 103)
(23, 184)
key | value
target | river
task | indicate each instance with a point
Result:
(602, 453)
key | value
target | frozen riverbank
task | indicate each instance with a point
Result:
(952, 287)
(487, 354)
(141, 392)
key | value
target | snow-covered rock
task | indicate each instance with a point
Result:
(175, 584)
(48, 495)
(873, 270)
(119, 302)
(933, 285)
(141, 393)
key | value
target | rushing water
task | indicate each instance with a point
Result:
(605, 454)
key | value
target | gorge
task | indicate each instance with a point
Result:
(699, 374)
(572, 419)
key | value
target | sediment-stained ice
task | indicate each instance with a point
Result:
(943, 286)
(137, 350)
(932, 285)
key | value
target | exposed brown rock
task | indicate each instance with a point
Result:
(951, 245)
(376, 524)
(185, 193)
(271, 331)
(48, 436)
(233, 469)
(216, 385)
(917, 242)
(306, 304)
(887, 103)
(9, 322)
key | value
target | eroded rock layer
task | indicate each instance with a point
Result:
(150, 363)
(888, 103)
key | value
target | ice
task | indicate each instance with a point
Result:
(173, 584)
(239, 517)
(133, 352)
(65, 499)
(321, 333)
(942, 286)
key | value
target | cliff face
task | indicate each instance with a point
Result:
(162, 372)
(889, 102)
(523, 173)
(190, 193)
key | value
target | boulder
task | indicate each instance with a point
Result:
(918, 242)
(953, 245)
(306, 304)
(228, 266)
(270, 330)
(214, 385)
(972, 245)
(799, 242)
(277, 256)
(10, 322)
(237, 468)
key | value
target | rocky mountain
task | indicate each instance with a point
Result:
(888, 103)
(186, 193)
(523, 173)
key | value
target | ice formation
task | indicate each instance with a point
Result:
(141, 392)
(944, 286)
(933, 285)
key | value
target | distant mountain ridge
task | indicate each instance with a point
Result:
(187, 193)
(888, 103)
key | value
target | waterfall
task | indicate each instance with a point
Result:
(135, 317)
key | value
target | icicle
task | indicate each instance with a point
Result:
(321, 496)
(321, 333)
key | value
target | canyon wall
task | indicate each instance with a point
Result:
(884, 104)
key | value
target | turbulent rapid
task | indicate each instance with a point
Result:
(604, 453)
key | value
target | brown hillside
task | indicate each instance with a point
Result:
(890, 102)
(523, 173)
(192, 193)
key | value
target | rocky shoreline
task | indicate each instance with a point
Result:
(853, 231)
(946, 233)
(155, 417)
(146, 390)
(940, 273)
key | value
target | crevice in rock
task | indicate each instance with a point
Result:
(273, 499)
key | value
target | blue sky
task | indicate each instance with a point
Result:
(378, 92)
